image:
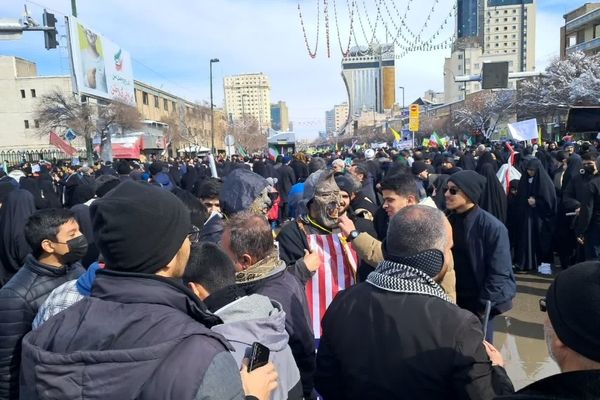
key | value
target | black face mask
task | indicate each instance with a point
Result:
(77, 249)
(589, 169)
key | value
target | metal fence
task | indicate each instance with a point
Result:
(16, 157)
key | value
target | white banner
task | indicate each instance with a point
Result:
(102, 68)
(524, 130)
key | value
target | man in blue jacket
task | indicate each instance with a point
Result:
(481, 250)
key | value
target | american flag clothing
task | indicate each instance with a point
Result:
(336, 272)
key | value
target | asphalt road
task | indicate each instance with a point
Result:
(519, 334)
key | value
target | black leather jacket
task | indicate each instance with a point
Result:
(21, 298)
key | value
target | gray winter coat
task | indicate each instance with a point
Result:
(255, 318)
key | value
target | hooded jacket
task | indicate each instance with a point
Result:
(255, 318)
(21, 298)
(137, 336)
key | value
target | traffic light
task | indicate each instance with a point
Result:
(50, 35)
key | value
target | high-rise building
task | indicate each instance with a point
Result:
(370, 77)
(336, 118)
(490, 31)
(248, 95)
(581, 31)
(280, 120)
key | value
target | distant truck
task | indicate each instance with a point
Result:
(584, 122)
(132, 145)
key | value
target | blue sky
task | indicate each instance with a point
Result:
(171, 43)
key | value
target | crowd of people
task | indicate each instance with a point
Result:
(367, 274)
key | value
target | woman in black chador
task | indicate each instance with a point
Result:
(536, 207)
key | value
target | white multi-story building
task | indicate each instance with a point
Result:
(498, 30)
(248, 95)
(336, 118)
(20, 90)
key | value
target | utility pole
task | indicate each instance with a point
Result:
(212, 107)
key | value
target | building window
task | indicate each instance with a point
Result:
(476, 66)
(22, 93)
(514, 18)
(26, 124)
(145, 98)
(496, 28)
(460, 56)
(506, 28)
(596, 31)
(166, 104)
(32, 92)
(174, 107)
(36, 123)
(156, 101)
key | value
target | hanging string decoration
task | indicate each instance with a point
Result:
(381, 22)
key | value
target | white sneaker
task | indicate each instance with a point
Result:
(545, 269)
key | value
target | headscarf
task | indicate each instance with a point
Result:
(467, 161)
(486, 158)
(439, 198)
(542, 188)
(15, 212)
(574, 165)
(493, 199)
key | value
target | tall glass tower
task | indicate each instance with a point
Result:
(467, 18)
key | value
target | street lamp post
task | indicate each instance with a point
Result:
(402, 87)
(212, 107)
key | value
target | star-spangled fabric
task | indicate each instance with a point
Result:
(336, 272)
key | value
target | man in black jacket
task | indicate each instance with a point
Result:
(57, 246)
(248, 240)
(571, 331)
(141, 334)
(398, 335)
(588, 223)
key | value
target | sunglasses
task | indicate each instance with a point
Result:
(194, 235)
(543, 307)
(453, 190)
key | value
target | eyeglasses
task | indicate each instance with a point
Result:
(543, 307)
(194, 235)
(453, 190)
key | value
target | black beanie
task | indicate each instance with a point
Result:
(104, 184)
(418, 167)
(139, 227)
(470, 182)
(346, 184)
(156, 167)
(572, 302)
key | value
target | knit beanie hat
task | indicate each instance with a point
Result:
(418, 167)
(156, 167)
(139, 227)
(104, 184)
(346, 184)
(470, 182)
(572, 302)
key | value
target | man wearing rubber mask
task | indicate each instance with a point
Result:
(314, 248)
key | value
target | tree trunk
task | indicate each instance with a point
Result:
(89, 151)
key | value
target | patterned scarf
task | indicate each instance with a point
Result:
(268, 266)
(401, 278)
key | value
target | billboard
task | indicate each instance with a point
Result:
(100, 67)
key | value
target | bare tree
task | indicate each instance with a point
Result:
(572, 81)
(115, 118)
(57, 111)
(484, 110)
(247, 134)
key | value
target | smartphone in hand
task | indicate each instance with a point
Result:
(259, 356)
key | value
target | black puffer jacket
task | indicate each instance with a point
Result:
(21, 298)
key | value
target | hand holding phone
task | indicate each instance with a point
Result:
(258, 357)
